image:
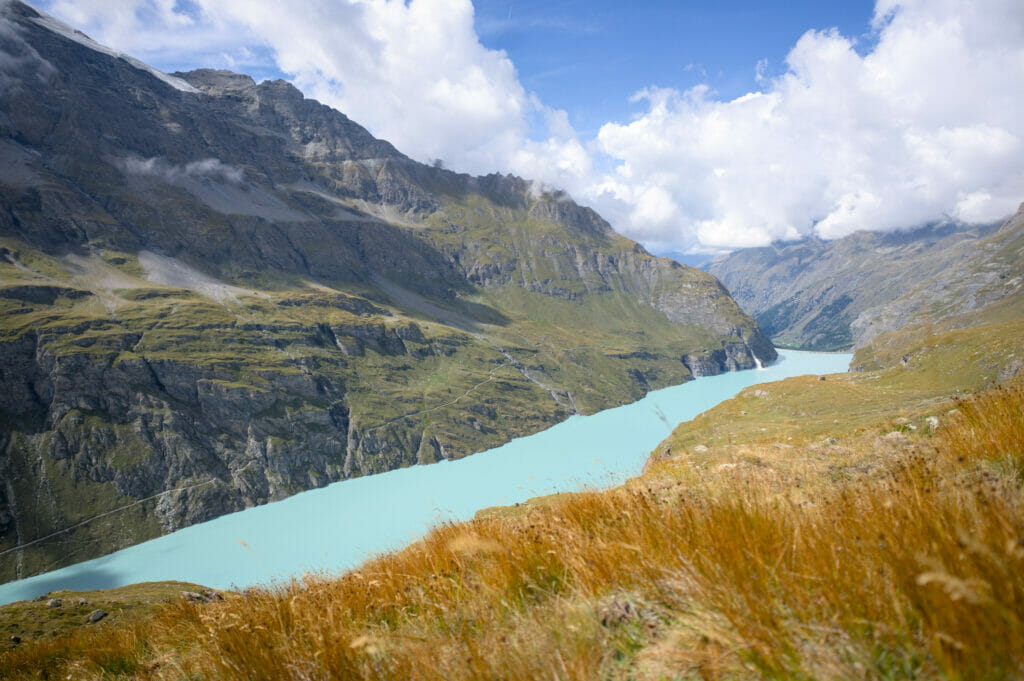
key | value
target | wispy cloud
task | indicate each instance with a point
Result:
(20, 64)
(169, 172)
(525, 17)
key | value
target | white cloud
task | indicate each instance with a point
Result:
(925, 123)
(170, 172)
(415, 73)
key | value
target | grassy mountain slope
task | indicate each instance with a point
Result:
(824, 295)
(215, 293)
(862, 526)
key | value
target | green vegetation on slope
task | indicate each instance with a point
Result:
(41, 619)
(904, 376)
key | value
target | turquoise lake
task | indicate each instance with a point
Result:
(339, 526)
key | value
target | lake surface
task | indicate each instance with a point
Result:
(339, 526)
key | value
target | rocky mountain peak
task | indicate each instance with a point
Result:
(217, 82)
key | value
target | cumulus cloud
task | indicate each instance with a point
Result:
(926, 125)
(923, 124)
(170, 172)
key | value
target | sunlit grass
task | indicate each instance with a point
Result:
(990, 427)
(870, 558)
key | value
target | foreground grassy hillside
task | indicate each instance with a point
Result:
(864, 526)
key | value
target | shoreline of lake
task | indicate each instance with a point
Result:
(362, 517)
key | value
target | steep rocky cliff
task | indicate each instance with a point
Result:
(216, 293)
(826, 295)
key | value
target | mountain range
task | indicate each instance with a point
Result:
(828, 295)
(215, 293)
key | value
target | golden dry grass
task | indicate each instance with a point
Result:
(988, 428)
(868, 557)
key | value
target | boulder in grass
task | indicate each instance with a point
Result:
(205, 596)
(617, 612)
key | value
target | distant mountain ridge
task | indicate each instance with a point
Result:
(828, 295)
(215, 293)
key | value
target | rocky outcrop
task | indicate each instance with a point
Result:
(734, 356)
(146, 426)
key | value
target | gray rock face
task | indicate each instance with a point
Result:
(839, 294)
(732, 357)
(215, 293)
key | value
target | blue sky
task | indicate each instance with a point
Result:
(589, 56)
(693, 127)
